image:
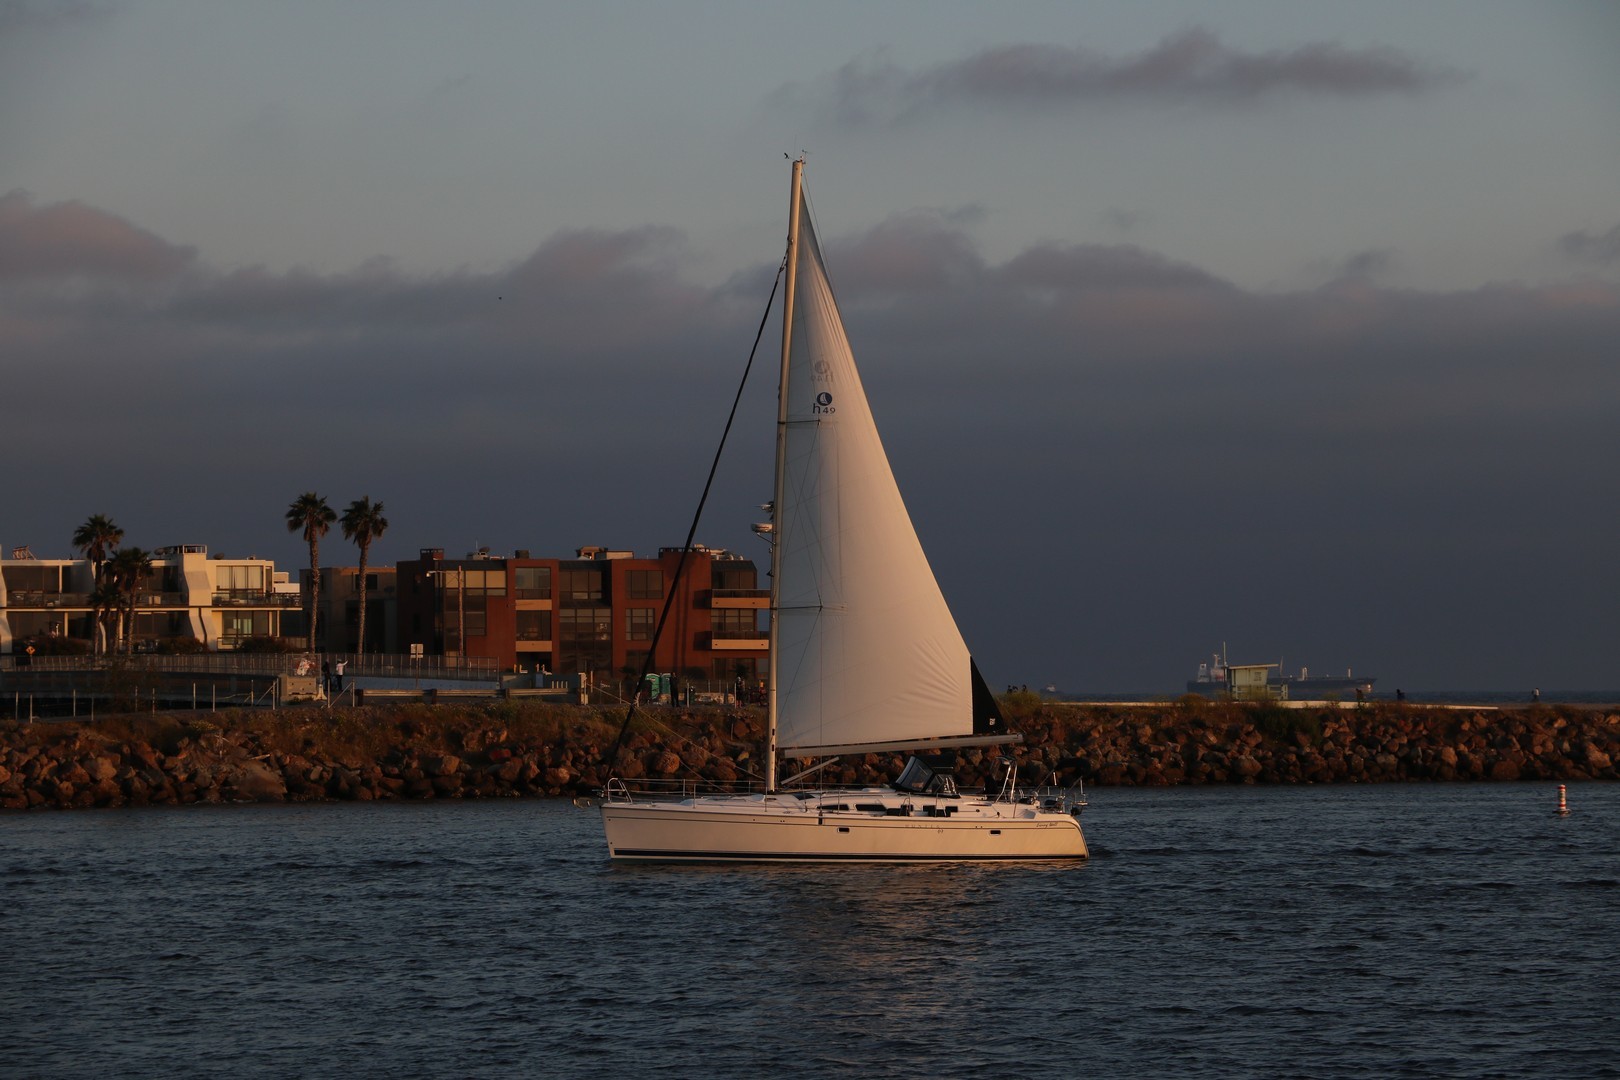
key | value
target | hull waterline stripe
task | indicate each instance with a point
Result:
(783, 856)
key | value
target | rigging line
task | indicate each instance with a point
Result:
(745, 770)
(686, 549)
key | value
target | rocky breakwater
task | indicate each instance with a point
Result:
(302, 755)
(1211, 743)
(523, 749)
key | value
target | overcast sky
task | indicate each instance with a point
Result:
(1294, 326)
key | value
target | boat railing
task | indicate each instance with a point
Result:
(620, 789)
(1054, 798)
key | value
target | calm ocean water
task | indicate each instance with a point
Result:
(1445, 930)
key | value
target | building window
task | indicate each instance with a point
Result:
(639, 623)
(730, 625)
(583, 624)
(644, 584)
(581, 586)
(241, 579)
(534, 626)
(237, 626)
(489, 582)
(734, 577)
(532, 582)
(584, 639)
(33, 579)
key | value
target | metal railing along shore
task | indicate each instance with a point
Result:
(382, 665)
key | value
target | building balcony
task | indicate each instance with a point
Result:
(243, 598)
(20, 598)
(740, 599)
(738, 641)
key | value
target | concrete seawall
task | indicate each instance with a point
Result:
(513, 749)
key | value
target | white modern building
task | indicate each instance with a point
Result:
(186, 595)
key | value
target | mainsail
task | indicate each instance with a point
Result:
(868, 655)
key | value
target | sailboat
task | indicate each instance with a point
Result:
(865, 656)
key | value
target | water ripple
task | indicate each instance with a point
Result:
(1322, 932)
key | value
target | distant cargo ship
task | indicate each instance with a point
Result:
(1212, 681)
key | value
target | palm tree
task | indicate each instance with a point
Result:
(97, 538)
(126, 572)
(363, 522)
(105, 600)
(310, 513)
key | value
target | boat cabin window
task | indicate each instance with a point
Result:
(928, 775)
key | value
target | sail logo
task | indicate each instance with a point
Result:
(822, 371)
(823, 405)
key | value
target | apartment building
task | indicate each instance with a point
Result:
(339, 625)
(185, 595)
(595, 613)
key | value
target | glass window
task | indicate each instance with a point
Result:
(583, 624)
(532, 582)
(33, 578)
(727, 623)
(645, 584)
(582, 586)
(239, 578)
(534, 626)
(734, 577)
(583, 639)
(639, 623)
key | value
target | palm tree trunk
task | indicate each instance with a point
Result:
(314, 588)
(360, 645)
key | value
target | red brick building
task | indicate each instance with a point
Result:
(594, 614)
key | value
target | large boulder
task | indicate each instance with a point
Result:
(252, 781)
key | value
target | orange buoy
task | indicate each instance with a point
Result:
(1563, 802)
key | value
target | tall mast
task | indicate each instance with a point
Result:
(781, 475)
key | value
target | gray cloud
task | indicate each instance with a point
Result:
(70, 239)
(1092, 267)
(1165, 431)
(1123, 220)
(918, 251)
(17, 16)
(1367, 265)
(1192, 65)
(1602, 248)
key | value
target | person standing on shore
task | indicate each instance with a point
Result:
(337, 683)
(326, 676)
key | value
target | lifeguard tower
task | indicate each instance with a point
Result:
(1251, 682)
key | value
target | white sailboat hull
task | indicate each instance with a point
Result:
(798, 828)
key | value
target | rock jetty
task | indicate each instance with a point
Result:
(515, 749)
